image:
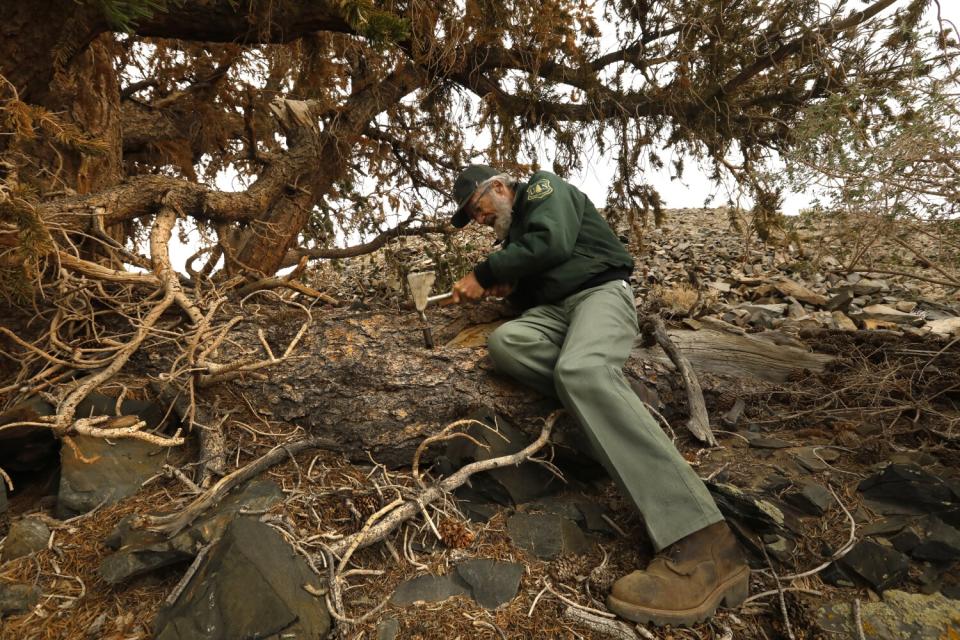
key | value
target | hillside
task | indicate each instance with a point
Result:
(830, 369)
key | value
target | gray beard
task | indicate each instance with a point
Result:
(501, 224)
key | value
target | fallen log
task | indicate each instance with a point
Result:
(364, 380)
(740, 356)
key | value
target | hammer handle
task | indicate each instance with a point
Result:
(439, 297)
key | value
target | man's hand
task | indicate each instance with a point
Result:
(501, 290)
(467, 289)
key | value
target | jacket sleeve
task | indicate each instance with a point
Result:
(551, 226)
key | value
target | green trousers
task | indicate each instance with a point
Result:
(574, 351)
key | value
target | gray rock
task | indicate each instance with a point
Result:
(841, 301)
(546, 536)
(898, 616)
(586, 512)
(814, 461)
(886, 313)
(25, 537)
(109, 473)
(16, 598)
(763, 515)
(429, 589)
(842, 321)
(140, 551)
(879, 566)
(811, 498)
(251, 584)
(902, 489)
(937, 541)
(492, 583)
(388, 629)
(760, 441)
(515, 484)
(768, 310)
(885, 527)
(780, 549)
(946, 326)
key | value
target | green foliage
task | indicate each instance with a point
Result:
(124, 15)
(378, 25)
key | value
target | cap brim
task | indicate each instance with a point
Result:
(461, 216)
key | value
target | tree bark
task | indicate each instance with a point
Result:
(366, 381)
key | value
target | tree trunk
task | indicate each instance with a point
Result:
(366, 380)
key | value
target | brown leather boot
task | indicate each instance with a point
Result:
(686, 582)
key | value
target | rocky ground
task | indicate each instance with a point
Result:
(831, 380)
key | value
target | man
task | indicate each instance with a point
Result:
(561, 261)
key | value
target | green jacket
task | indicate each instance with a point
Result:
(557, 243)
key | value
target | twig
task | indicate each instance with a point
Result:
(663, 421)
(443, 436)
(185, 580)
(773, 592)
(6, 479)
(173, 523)
(604, 626)
(535, 601)
(445, 486)
(783, 601)
(842, 551)
(858, 619)
(576, 605)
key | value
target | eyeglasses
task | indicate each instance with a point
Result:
(476, 197)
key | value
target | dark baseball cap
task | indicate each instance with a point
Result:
(464, 186)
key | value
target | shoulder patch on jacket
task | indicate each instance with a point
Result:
(539, 189)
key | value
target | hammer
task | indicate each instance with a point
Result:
(420, 285)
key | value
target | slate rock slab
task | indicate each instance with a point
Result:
(488, 582)
(16, 598)
(250, 585)
(815, 459)
(907, 489)
(885, 527)
(759, 441)
(388, 629)
(759, 514)
(515, 484)
(139, 551)
(25, 537)
(546, 535)
(937, 541)
(879, 566)
(586, 512)
(108, 472)
(492, 583)
(898, 616)
(429, 589)
(811, 498)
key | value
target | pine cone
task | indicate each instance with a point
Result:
(601, 579)
(455, 534)
(366, 504)
(725, 400)
(568, 568)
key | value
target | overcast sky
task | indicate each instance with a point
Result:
(691, 191)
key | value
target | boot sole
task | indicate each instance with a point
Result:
(731, 593)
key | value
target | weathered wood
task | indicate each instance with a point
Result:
(365, 381)
(699, 422)
(740, 356)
